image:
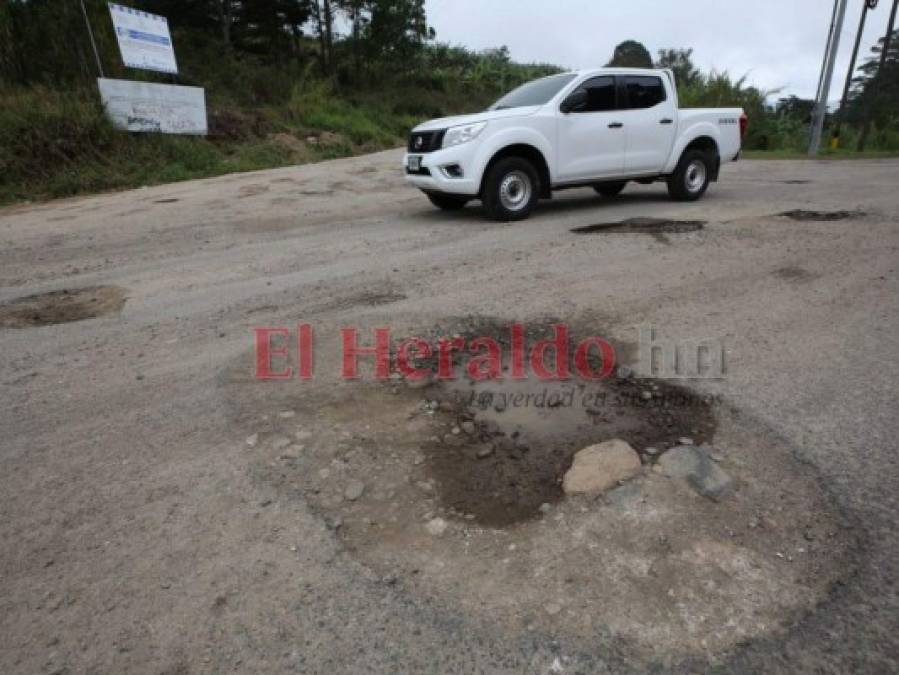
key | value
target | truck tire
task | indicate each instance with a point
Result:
(610, 189)
(511, 189)
(447, 202)
(691, 178)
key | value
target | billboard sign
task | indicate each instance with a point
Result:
(144, 39)
(161, 108)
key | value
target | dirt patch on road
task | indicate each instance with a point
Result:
(450, 491)
(62, 306)
(824, 216)
(642, 226)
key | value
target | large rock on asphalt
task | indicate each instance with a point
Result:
(698, 469)
(599, 467)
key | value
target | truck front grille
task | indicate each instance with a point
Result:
(426, 141)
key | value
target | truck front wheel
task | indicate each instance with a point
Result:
(511, 189)
(691, 178)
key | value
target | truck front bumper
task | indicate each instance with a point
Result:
(451, 171)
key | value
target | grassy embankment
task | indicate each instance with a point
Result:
(56, 142)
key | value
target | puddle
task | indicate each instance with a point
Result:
(642, 226)
(517, 438)
(62, 306)
(802, 215)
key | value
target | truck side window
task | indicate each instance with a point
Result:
(600, 95)
(643, 92)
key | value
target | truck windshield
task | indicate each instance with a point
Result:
(537, 92)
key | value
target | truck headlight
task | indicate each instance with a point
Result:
(462, 134)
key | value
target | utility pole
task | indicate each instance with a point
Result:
(827, 76)
(869, 4)
(863, 139)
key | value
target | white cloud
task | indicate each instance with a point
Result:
(778, 43)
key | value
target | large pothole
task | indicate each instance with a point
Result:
(62, 306)
(823, 216)
(451, 492)
(642, 226)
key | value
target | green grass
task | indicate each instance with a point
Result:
(60, 144)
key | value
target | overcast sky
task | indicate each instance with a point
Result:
(778, 43)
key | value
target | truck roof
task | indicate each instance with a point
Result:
(615, 70)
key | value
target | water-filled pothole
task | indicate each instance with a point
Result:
(803, 215)
(62, 306)
(497, 450)
(642, 226)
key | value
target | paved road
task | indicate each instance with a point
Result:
(138, 535)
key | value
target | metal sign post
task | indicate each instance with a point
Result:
(93, 42)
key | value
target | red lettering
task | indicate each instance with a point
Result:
(518, 352)
(411, 349)
(265, 351)
(445, 347)
(606, 351)
(304, 343)
(352, 351)
(487, 366)
(559, 345)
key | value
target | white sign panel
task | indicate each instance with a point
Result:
(144, 39)
(163, 108)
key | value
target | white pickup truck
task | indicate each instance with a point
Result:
(598, 128)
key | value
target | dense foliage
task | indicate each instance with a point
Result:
(292, 81)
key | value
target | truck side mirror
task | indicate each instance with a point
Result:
(574, 102)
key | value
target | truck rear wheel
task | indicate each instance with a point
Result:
(447, 202)
(691, 178)
(610, 189)
(511, 189)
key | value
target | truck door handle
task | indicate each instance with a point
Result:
(666, 121)
(615, 125)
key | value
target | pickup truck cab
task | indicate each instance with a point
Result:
(598, 128)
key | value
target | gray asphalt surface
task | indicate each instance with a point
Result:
(137, 538)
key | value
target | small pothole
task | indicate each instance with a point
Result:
(63, 306)
(792, 273)
(642, 226)
(803, 215)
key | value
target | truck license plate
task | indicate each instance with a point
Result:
(414, 163)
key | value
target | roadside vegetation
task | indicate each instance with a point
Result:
(295, 81)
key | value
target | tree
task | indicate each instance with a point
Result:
(880, 93)
(796, 108)
(681, 62)
(631, 54)
(396, 31)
